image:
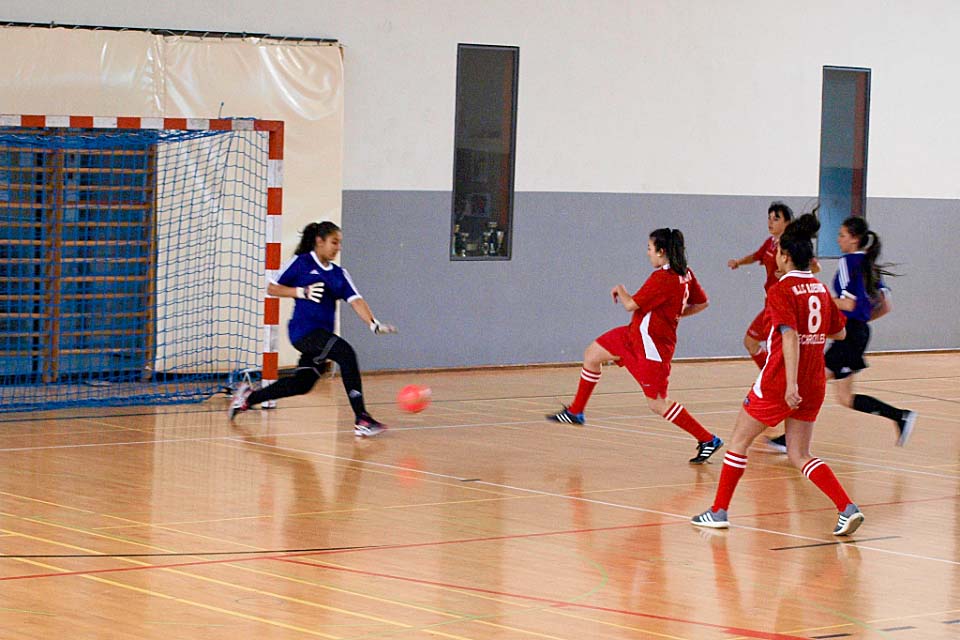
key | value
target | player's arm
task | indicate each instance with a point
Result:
(692, 309)
(791, 362)
(739, 262)
(696, 297)
(851, 284)
(362, 309)
(845, 304)
(312, 292)
(621, 295)
(882, 307)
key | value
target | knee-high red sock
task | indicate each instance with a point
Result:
(734, 464)
(588, 380)
(682, 418)
(820, 474)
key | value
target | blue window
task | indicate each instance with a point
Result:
(844, 129)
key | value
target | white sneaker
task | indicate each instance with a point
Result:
(905, 427)
(239, 403)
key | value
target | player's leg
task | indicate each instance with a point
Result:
(904, 419)
(745, 432)
(753, 339)
(593, 358)
(299, 383)
(675, 413)
(799, 434)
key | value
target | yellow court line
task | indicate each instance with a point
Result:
(619, 626)
(216, 581)
(61, 506)
(249, 589)
(877, 621)
(192, 603)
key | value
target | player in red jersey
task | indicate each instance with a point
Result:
(779, 216)
(792, 383)
(645, 346)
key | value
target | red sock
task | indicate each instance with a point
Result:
(682, 418)
(820, 474)
(734, 464)
(588, 380)
(760, 358)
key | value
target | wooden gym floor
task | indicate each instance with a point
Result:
(476, 519)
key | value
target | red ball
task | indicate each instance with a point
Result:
(414, 398)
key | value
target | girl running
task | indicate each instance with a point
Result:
(645, 346)
(317, 283)
(792, 384)
(862, 296)
(779, 216)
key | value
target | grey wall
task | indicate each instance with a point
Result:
(569, 249)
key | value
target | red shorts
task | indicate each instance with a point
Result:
(759, 329)
(653, 376)
(773, 411)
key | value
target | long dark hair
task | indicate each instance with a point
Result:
(868, 242)
(670, 241)
(797, 240)
(310, 233)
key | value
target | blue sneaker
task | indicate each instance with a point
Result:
(566, 417)
(849, 521)
(705, 450)
(712, 519)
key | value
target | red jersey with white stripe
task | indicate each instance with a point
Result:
(803, 303)
(767, 255)
(661, 300)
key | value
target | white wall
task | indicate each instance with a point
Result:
(682, 96)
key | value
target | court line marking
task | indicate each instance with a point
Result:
(611, 504)
(459, 617)
(231, 585)
(185, 601)
(750, 633)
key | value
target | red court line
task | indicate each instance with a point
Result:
(410, 545)
(750, 633)
(402, 546)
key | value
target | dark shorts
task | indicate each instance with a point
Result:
(845, 357)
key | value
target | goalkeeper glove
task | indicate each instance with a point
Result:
(313, 292)
(381, 329)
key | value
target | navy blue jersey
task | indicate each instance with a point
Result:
(308, 316)
(850, 282)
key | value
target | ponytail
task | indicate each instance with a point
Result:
(869, 242)
(797, 240)
(670, 241)
(314, 230)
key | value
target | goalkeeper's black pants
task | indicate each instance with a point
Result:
(315, 349)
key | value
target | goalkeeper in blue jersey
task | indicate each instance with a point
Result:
(316, 283)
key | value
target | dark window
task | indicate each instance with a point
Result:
(484, 148)
(844, 127)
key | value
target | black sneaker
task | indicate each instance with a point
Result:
(905, 427)
(566, 417)
(367, 427)
(778, 444)
(706, 449)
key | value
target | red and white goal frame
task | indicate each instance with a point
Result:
(272, 250)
